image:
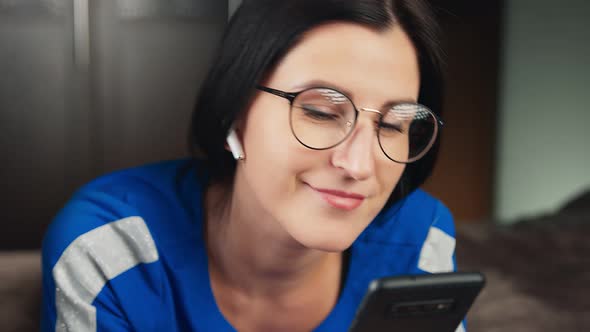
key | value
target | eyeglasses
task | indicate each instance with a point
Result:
(322, 118)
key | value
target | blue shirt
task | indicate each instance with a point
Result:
(126, 253)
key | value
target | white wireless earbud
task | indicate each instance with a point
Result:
(235, 146)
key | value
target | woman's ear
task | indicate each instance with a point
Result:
(234, 145)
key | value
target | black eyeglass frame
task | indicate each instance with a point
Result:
(290, 96)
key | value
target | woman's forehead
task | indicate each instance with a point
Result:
(354, 57)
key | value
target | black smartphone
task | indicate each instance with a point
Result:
(418, 303)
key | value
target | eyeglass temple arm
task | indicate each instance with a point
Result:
(286, 95)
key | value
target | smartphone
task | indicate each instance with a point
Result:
(418, 303)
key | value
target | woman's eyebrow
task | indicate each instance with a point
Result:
(317, 83)
(325, 84)
(389, 104)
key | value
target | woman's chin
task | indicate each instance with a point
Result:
(319, 230)
(327, 243)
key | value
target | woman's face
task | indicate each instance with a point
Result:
(325, 198)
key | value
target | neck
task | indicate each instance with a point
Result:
(261, 278)
(250, 253)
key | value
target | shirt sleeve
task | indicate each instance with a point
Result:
(438, 250)
(95, 238)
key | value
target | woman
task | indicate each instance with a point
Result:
(314, 128)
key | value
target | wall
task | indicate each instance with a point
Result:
(463, 175)
(543, 151)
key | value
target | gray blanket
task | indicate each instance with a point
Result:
(538, 274)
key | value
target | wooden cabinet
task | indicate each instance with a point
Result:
(88, 87)
(464, 176)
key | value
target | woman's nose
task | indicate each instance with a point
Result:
(356, 154)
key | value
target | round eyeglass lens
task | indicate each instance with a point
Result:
(407, 131)
(322, 118)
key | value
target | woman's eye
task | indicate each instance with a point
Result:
(318, 114)
(391, 127)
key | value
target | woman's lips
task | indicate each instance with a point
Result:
(340, 199)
